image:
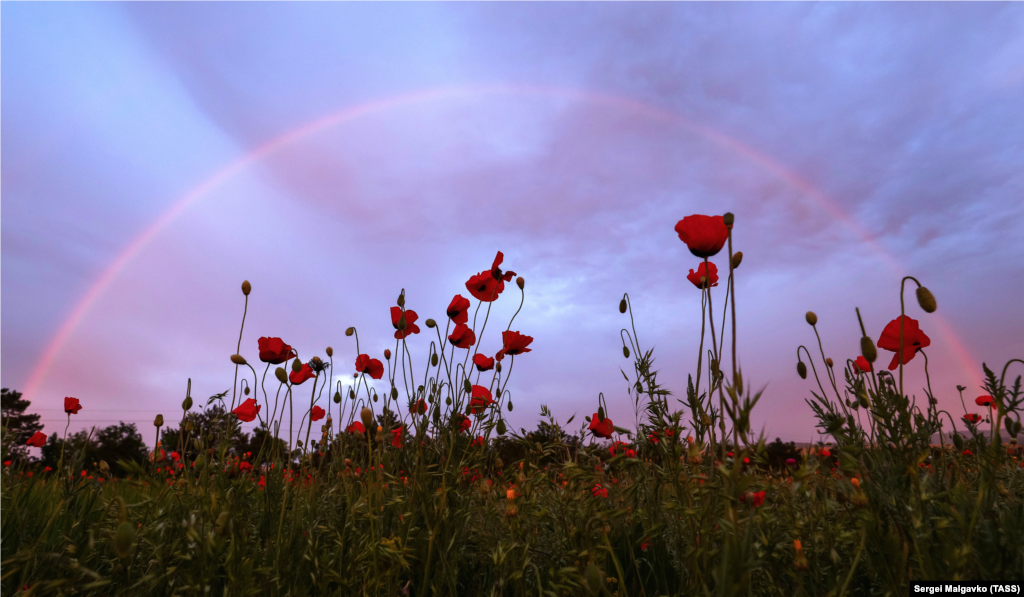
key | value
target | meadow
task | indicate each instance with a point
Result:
(423, 489)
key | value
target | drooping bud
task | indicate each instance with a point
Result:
(595, 580)
(600, 413)
(625, 352)
(622, 306)
(469, 386)
(801, 369)
(926, 299)
(296, 365)
(282, 376)
(245, 390)
(387, 354)
(958, 442)
(829, 362)
(237, 359)
(186, 404)
(337, 397)
(350, 331)
(728, 218)
(246, 288)
(737, 259)
(329, 351)
(433, 360)
(123, 539)
(509, 406)
(158, 421)
(431, 323)
(811, 318)
(867, 349)
(501, 427)
(367, 417)
(521, 282)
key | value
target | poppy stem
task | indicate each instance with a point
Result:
(238, 348)
(718, 363)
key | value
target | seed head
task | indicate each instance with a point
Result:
(158, 421)
(246, 288)
(867, 349)
(431, 323)
(237, 359)
(350, 331)
(728, 218)
(521, 282)
(811, 318)
(737, 259)
(926, 299)
(282, 376)
(367, 416)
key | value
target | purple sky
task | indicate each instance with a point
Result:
(854, 142)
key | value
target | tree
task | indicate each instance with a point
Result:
(778, 451)
(113, 444)
(17, 426)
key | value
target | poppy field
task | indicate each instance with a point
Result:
(410, 481)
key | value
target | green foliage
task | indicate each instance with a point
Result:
(17, 426)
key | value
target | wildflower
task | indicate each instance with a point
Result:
(483, 362)
(462, 422)
(791, 461)
(458, 309)
(372, 367)
(704, 277)
(862, 365)
(972, 418)
(275, 351)
(396, 437)
(244, 467)
(247, 410)
(263, 481)
(478, 442)
(984, 401)
(799, 559)
(599, 491)
(462, 336)
(175, 456)
(72, 406)
(487, 285)
(355, 427)
(317, 414)
(620, 446)
(299, 377)
(419, 408)
(645, 544)
(756, 499)
(410, 322)
(37, 440)
(602, 428)
(826, 453)
(513, 343)
(913, 340)
(968, 453)
(704, 235)
(481, 399)
(45, 470)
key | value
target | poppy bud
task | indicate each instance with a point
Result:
(401, 323)
(521, 282)
(433, 360)
(863, 400)
(867, 349)
(469, 386)
(595, 580)
(799, 559)
(811, 318)
(958, 442)
(600, 413)
(387, 354)
(329, 351)
(158, 421)
(401, 299)
(801, 369)
(246, 288)
(622, 306)
(367, 416)
(431, 323)
(296, 365)
(829, 362)
(281, 375)
(509, 406)
(350, 331)
(186, 404)
(375, 397)
(625, 352)
(394, 393)
(237, 359)
(737, 259)
(123, 539)
(728, 219)
(188, 426)
(501, 429)
(497, 367)
(337, 397)
(926, 299)
(245, 390)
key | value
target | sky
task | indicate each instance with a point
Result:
(154, 155)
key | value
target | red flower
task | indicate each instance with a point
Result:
(481, 400)
(599, 491)
(984, 401)
(263, 481)
(655, 436)
(275, 351)
(623, 446)
(972, 418)
(756, 498)
(862, 364)
(478, 442)
(695, 276)
(487, 285)
(247, 410)
(356, 427)
(245, 466)
(483, 362)
(513, 343)
(175, 456)
(317, 414)
(462, 422)
(826, 452)
(300, 376)
(419, 408)
(913, 339)
(372, 367)
(38, 440)
(645, 544)
(410, 322)
(72, 406)
(458, 309)
(462, 336)
(704, 235)
(396, 437)
(601, 428)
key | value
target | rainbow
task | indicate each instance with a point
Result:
(805, 187)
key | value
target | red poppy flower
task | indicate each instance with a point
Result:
(601, 428)
(247, 410)
(695, 276)
(984, 401)
(275, 351)
(175, 456)
(913, 339)
(462, 422)
(481, 399)
(419, 408)
(704, 235)
(862, 364)
(645, 544)
(483, 362)
(462, 336)
(620, 447)
(37, 440)
(513, 343)
(396, 437)
(478, 442)
(458, 309)
(756, 498)
(355, 427)
(599, 491)
(487, 285)
(244, 467)
(72, 405)
(826, 453)
(317, 414)
(972, 418)
(410, 322)
(372, 367)
(300, 376)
